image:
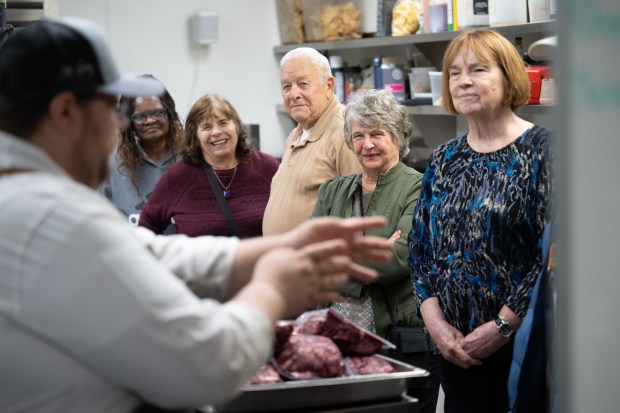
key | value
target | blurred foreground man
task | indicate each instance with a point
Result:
(95, 315)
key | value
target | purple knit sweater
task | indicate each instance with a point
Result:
(184, 193)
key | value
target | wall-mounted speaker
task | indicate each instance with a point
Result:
(205, 26)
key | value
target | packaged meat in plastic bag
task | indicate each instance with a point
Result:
(349, 337)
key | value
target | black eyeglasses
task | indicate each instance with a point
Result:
(157, 114)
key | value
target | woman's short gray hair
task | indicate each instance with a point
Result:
(378, 109)
(319, 61)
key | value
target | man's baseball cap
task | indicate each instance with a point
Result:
(64, 54)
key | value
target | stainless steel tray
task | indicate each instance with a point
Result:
(322, 393)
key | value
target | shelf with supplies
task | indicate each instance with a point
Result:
(428, 110)
(360, 52)
(432, 124)
(544, 28)
(432, 45)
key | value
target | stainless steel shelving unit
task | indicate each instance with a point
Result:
(433, 124)
(540, 28)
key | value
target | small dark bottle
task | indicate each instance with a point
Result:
(376, 62)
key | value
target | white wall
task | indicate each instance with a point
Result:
(154, 36)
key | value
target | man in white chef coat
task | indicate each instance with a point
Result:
(97, 316)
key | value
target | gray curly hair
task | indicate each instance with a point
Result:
(378, 108)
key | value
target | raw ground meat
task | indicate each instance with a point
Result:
(267, 374)
(284, 329)
(368, 365)
(309, 356)
(312, 323)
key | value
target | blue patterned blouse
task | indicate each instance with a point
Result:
(475, 243)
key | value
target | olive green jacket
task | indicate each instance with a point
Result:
(395, 197)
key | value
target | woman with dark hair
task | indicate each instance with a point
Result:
(146, 149)
(222, 184)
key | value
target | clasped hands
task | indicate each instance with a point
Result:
(463, 350)
(467, 350)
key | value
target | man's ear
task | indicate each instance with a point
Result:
(331, 84)
(65, 114)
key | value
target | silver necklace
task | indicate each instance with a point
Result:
(226, 189)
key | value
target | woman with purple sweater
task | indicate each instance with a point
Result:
(214, 139)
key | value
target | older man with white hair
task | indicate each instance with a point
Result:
(315, 150)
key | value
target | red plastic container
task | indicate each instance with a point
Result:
(536, 75)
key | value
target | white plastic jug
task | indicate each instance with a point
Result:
(507, 12)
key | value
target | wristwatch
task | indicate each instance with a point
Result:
(504, 327)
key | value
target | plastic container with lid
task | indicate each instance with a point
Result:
(335, 62)
(436, 78)
(369, 17)
(435, 16)
(419, 80)
(507, 12)
(473, 13)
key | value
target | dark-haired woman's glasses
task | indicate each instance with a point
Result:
(157, 114)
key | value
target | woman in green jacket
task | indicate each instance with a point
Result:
(377, 130)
